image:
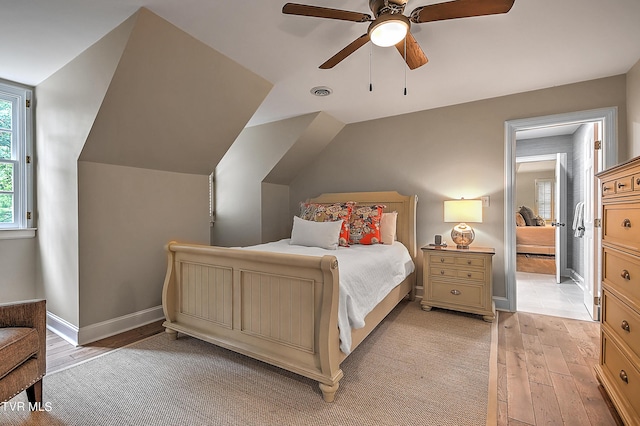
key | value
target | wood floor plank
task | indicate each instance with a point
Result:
(513, 336)
(536, 362)
(569, 400)
(587, 385)
(555, 360)
(545, 405)
(519, 402)
(546, 331)
(527, 324)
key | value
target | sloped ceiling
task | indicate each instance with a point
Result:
(174, 103)
(309, 144)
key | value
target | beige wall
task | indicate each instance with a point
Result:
(451, 152)
(252, 178)
(526, 187)
(17, 263)
(148, 111)
(66, 106)
(633, 107)
(126, 216)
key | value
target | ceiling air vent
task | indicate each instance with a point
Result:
(321, 91)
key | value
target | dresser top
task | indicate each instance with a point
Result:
(453, 248)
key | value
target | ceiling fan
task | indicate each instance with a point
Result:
(391, 27)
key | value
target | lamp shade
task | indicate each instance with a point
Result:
(463, 211)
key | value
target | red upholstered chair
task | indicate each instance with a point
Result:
(23, 360)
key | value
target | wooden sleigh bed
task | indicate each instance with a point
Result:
(226, 296)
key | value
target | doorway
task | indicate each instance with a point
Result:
(606, 118)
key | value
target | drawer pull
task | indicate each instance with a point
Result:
(625, 275)
(623, 376)
(621, 185)
(468, 274)
(626, 223)
(625, 326)
(456, 292)
(605, 188)
(637, 181)
(468, 262)
(441, 272)
(442, 260)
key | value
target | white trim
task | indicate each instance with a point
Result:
(62, 328)
(609, 117)
(114, 326)
(16, 234)
(81, 336)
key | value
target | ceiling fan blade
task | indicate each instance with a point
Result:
(415, 56)
(460, 9)
(324, 12)
(338, 57)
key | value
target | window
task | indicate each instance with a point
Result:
(544, 198)
(15, 158)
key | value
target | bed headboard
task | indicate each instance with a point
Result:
(405, 205)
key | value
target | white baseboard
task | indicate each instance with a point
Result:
(577, 278)
(81, 336)
(62, 328)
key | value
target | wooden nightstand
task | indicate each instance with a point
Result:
(459, 279)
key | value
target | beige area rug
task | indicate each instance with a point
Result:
(416, 368)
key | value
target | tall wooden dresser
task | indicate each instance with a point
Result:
(619, 367)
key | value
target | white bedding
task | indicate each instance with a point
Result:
(367, 274)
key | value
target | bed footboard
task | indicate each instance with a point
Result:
(281, 309)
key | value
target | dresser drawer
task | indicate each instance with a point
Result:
(621, 225)
(621, 272)
(618, 186)
(624, 376)
(622, 321)
(455, 293)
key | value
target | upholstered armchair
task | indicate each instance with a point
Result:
(23, 361)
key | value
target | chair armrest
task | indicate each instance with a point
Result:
(28, 313)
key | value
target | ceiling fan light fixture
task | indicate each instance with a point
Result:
(388, 30)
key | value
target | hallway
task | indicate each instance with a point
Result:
(539, 293)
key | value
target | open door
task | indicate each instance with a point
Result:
(592, 249)
(560, 214)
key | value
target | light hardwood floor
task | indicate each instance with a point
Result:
(545, 372)
(545, 368)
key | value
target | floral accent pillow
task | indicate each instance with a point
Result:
(365, 224)
(330, 213)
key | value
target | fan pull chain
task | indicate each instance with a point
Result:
(370, 55)
(405, 66)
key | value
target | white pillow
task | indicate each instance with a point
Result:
(388, 227)
(315, 234)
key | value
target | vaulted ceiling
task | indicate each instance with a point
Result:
(541, 43)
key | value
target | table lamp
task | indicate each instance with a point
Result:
(463, 211)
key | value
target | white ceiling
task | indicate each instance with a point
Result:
(538, 44)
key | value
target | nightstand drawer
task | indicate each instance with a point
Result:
(471, 261)
(455, 293)
(622, 321)
(471, 275)
(624, 376)
(435, 271)
(621, 272)
(441, 259)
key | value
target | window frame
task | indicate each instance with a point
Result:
(21, 98)
(550, 182)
